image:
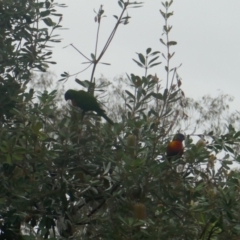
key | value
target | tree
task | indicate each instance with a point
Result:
(26, 29)
(68, 178)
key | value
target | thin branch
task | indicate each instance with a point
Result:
(80, 53)
(107, 43)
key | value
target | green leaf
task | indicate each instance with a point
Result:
(141, 58)
(210, 133)
(130, 94)
(65, 74)
(238, 158)
(165, 28)
(148, 50)
(45, 13)
(237, 134)
(237, 229)
(17, 157)
(170, 3)
(168, 15)
(129, 106)
(174, 100)
(152, 111)
(173, 95)
(171, 43)
(57, 14)
(93, 56)
(120, 4)
(138, 105)
(162, 13)
(229, 149)
(157, 95)
(154, 53)
(47, 4)
(36, 127)
(138, 63)
(168, 112)
(155, 64)
(162, 42)
(84, 83)
(9, 159)
(4, 149)
(105, 63)
(199, 187)
(152, 60)
(146, 97)
(165, 94)
(48, 22)
(106, 170)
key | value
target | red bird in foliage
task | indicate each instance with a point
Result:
(175, 147)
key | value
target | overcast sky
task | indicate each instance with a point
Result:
(207, 33)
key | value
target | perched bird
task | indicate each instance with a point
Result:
(175, 147)
(86, 102)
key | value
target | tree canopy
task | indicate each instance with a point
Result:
(69, 176)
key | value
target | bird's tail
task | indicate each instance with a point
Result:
(108, 119)
(103, 114)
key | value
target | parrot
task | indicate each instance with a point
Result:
(86, 102)
(175, 147)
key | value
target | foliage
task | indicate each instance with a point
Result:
(64, 177)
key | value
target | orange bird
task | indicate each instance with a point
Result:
(175, 147)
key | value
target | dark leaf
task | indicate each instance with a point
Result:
(148, 50)
(154, 53)
(141, 58)
(162, 13)
(162, 42)
(152, 60)
(129, 106)
(130, 94)
(120, 4)
(45, 13)
(155, 64)
(165, 94)
(48, 22)
(157, 95)
(171, 43)
(138, 63)
(93, 57)
(85, 83)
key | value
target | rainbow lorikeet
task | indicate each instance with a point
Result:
(175, 147)
(86, 102)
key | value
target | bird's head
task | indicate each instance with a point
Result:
(69, 94)
(179, 137)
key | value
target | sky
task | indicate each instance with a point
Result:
(207, 33)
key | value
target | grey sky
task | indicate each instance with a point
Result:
(207, 32)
